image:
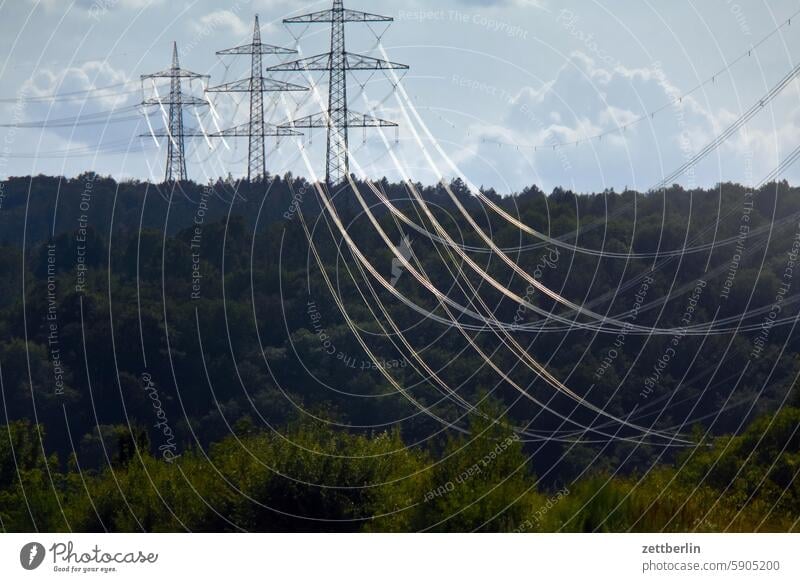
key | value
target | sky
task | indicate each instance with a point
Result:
(506, 94)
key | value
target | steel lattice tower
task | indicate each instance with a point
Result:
(174, 132)
(256, 129)
(338, 119)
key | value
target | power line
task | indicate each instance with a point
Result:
(731, 129)
(70, 95)
(76, 120)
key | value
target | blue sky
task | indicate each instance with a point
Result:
(490, 80)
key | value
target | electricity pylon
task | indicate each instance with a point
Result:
(256, 129)
(174, 132)
(338, 61)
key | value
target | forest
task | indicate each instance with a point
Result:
(214, 357)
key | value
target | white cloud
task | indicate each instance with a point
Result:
(222, 20)
(89, 75)
(586, 99)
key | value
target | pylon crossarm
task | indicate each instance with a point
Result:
(184, 100)
(358, 16)
(312, 121)
(362, 120)
(175, 73)
(321, 16)
(165, 133)
(353, 62)
(356, 62)
(263, 49)
(321, 120)
(246, 131)
(245, 86)
(316, 63)
(327, 16)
